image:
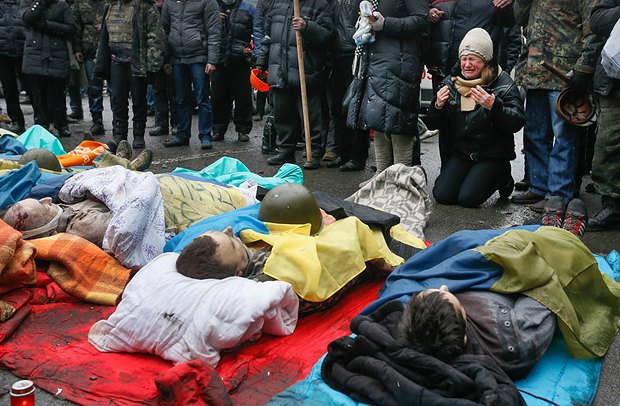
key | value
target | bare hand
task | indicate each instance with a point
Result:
(483, 98)
(434, 14)
(502, 3)
(210, 68)
(79, 56)
(167, 69)
(442, 97)
(223, 16)
(299, 24)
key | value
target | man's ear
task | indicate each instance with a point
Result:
(464, 340)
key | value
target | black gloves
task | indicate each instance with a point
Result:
(580, 82)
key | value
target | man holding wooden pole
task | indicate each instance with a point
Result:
(294, 52)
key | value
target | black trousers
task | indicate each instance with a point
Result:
(353, 144)
(48, 101)
(123, 82)
(232, 83)
(469, 183)
(165, 101)
(10, 69)
(288, 119)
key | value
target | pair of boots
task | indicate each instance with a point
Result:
(608, 218)
(119, 133)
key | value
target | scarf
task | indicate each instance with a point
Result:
(464, 86)
(360, 48)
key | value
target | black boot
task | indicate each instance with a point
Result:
(268, 145)
(159, 130)
(138, 136)
(119, 133)
(608, 218)
(283, 157)
(97, 127)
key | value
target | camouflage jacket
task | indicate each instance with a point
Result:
(88, 16)
(557, 31)
(148, 46)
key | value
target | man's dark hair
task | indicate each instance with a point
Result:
(432, 325)
(197, 260)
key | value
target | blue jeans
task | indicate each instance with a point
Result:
(186, 75)
(550, 147)
(95, 88)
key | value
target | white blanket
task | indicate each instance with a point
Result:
(135, 234)
(178, 318)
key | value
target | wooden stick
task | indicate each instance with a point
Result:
(555, 70)
(302, 84)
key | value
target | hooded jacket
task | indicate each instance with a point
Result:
(50, 25)
(391, 70)
(481, 135)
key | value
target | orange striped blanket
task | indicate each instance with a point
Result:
(16, 259)
(82, 269)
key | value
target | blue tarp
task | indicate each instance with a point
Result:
(38, 137)
(15, 185)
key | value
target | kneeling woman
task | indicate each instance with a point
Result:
(477, 110)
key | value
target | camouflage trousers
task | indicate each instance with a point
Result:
(606, 162)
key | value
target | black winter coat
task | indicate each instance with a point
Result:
(445, 36)
(50, 25)
(345, 16)
(12, 29)
(278, 52)
(375, 368)
(481, 135)
(237, 30)
(193, 31)
(602, 20)
(391, 70)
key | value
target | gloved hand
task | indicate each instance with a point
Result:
(580, 82)
(377, 25)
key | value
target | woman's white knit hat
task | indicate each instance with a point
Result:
(477, 42)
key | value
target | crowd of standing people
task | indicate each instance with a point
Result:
(363, 63)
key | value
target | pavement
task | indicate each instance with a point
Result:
(444, 220)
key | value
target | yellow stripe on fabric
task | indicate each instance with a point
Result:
(318, 266)
(399, 233)
(187, 201)
(553, 267)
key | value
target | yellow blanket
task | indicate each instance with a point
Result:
(318, 266)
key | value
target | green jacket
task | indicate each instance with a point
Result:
(148, 45)
(88, 16)
(557, 31)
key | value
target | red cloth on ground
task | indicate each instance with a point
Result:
(50, 347)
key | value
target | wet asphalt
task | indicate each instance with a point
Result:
(444, 220)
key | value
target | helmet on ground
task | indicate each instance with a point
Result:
(258, 80)
(575, 107)
(45, 159)
(291, 203)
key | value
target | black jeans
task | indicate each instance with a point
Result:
(353, 144)
(288, 119)
(165, 101)
(469, 183)
(48, 100)
(123, 81)
(10, 69)
(232, 83)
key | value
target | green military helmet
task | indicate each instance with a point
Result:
(45, 159)
(291, 203)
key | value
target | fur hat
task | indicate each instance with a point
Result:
(477, 42)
